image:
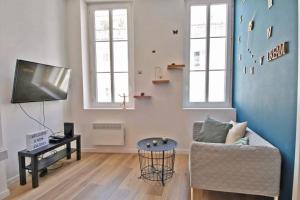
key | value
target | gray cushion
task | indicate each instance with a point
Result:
(213, 131)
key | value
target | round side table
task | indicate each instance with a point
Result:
(156, 160)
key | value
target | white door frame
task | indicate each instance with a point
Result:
(296, 188)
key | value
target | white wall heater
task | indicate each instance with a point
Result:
(108, 134)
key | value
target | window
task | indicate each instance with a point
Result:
(208, 78)
(111, 54)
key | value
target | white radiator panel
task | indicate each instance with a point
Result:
(112, 134)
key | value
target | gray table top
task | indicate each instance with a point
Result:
(161, 146)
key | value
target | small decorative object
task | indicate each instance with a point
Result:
(197, 58)
(251, 26)
(148, 145)
(245, 70)
(36, 140)
(270, 3)
(153, 51)
(269, 32)
(241, 18)
(252, 56)
(124, 100)
(175, 32)
(158, 73)
(165, 140)
(277, 52)
(261, 60)
(252, 70)
(154, 142)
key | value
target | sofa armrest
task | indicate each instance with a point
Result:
(235, 168)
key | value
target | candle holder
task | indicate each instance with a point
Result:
(165, 140)
(154, 142)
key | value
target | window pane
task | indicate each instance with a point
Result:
(197, 86)
(217, 57)
(102, 25)
(216, 86)
(121, 86)
(120, 24)
(103, 56)
(198, 54)
(120, 56)
(198, 21)
(218, 20)
(103, 87)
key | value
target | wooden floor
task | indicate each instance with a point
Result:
(112, 177)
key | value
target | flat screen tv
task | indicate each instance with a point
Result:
(36, 82)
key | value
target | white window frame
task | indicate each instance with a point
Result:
(229, 56)
(92, 7)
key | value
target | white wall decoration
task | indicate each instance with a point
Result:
(270, 3)
(252, 70)
(269, 32)
(251, 26)
(279, 51)
(261, 60)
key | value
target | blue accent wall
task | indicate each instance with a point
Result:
(268, 98)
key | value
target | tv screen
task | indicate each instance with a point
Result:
(35, 82)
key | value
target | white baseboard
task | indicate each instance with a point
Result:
(13, 180)
(121, 150)
(4, 194)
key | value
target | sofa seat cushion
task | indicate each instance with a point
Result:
(213, 131)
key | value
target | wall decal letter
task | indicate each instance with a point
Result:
(270, 3)
(262, 60)
(277, 52)
(251, 26)
(269, 32)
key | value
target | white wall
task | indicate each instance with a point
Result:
(31, 30)
(161, 116)
(3, 156)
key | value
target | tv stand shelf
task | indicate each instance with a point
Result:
(50, 160)
(36, 165)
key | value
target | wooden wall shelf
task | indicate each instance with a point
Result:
(174, 66)
(160, 81)
(142, 97)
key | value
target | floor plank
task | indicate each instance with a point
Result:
(113, 177)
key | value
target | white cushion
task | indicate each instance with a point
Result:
(237, 131)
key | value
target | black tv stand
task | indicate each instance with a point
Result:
(36, 165)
